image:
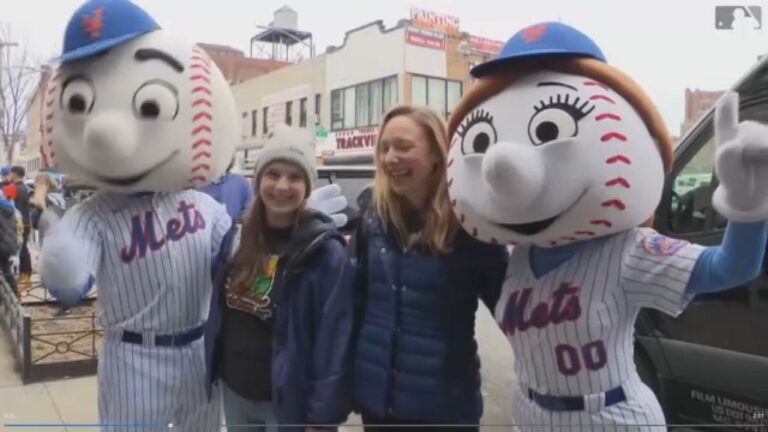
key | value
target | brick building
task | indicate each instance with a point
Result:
(235, 66)
(697, 103)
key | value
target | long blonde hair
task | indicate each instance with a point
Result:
(440, 223)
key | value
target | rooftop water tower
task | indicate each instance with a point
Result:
(282, 40)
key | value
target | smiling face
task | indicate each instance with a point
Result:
(153, 114)
(282, 188)
(552, 159)
(407, 158)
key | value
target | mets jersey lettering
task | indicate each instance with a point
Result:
(563, 305)
(144, 237)
(572, 328)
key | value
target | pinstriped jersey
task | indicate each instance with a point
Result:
(572, 329)
(151, 255)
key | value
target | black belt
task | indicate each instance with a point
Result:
(574, 403)
(173, 340)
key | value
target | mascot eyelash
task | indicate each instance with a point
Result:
(573, 108)
(478, 116)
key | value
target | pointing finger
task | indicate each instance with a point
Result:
(726, 118)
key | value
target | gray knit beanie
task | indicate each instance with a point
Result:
(289, 144)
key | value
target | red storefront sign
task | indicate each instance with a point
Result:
(356, 140)
(423, 39)
(485, 46)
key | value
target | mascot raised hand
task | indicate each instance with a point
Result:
(564, 156)
(146, 119)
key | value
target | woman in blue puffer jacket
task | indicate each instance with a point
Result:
(420, 277)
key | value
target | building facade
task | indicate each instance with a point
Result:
(423, 61)
(235, 66)
(697, 104)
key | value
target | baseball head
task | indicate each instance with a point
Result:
(553, 153)
(151, 113)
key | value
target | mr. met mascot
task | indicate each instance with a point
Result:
(564, 156)
(146, 119)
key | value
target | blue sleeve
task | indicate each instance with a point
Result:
(329, 396)
(247, 195)
(736, 261)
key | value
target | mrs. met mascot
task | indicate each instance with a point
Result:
(564, 156)
(146, 119)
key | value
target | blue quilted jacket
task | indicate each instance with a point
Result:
(416, 354)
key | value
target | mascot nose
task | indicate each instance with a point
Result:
(514, 171)
(110, 137)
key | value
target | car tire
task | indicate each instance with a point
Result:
(646, 370)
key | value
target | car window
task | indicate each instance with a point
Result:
(691, 192)
(350, 186)
(691, 203)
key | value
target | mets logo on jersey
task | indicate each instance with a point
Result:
(657, 244)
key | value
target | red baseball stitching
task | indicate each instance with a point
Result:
(602, 222)
(586, 233)
(613, 135)
(200, 154)
(202, 116)
(602, 97)
(450, 181)
(618, 181)
(201, 141)
(450, 162)
(619, 204)
(567, 238)
(618, 158)
(453, 203)
(607, 116)
(474, 232)
(595, 83)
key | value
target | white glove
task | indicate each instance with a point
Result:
(62, 268)
(329, 200)
(741, 164)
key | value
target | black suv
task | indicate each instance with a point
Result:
(709, 366)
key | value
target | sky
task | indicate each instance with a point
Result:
(665, 45)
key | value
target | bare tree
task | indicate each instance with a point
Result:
(19, 79)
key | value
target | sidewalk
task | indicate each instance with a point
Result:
(73, 401)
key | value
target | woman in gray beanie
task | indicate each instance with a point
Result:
(283, 353)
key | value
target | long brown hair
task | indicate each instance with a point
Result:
(252, 254)
(439, 221)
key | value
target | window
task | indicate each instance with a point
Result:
(289, 113)
(454, 94)
(362, 105)
(377, 106)
(244, 125)
(349, 108)
(439, 94)
(318, 99)
(337, 110)
(254, 122)
(390, 93)
(691, 194)
(303, 112)
(264, 127)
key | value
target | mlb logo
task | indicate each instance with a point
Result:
(738, 17)
(659, 245)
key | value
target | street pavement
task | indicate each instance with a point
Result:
(73, 401)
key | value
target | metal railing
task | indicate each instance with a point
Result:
(48, 347)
